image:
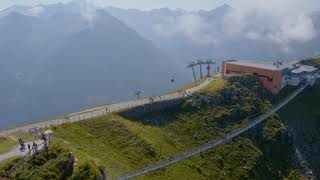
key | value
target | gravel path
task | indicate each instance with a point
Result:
(17, 152)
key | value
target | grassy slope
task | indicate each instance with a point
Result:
(6, 144)
(121, 145)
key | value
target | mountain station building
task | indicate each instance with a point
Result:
(272, 76)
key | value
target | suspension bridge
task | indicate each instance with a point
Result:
(214, 143)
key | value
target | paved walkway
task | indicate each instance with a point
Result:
(102, 110)
(17, 152)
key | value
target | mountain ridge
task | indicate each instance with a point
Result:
(55, 45)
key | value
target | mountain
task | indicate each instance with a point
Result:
(302, 116)
(224, 33)
(105, 62)
(14, 9)
(67, 59)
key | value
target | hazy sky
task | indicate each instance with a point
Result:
(139, 4)
(189, 5)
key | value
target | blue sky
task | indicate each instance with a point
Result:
(189, 5)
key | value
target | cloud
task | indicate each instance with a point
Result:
(36, 10)
(278, 8)
(88, 10)
(300, 29)
(190, 25)
(282, 23)
(234, 23)
(284, 29)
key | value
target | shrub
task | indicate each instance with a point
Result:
(86, 171)
(57, 163)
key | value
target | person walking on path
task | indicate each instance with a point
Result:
(34, 147)
(22, 145)
(29, 147)
(29, 150)
(45, 144)
(43, 137)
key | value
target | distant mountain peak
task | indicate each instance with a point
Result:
(222, 9)
(224, 6)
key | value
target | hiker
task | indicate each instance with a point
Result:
(29, 147)
(34, 147)
(22, 145)
(45, 144)
(170, 158)
(43, 136)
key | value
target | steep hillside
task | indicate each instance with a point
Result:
(120, 145)
(302, 116)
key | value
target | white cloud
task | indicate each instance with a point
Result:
(283, 29)
(300, 29)
(280, 22)
(234, 23)
(189, 25)
(254, 35)
(35, 11)
(277, 7)
(87, 10)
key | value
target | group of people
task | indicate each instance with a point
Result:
(151, 99)
(22, 145)
(182, 92)
(33, 148)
